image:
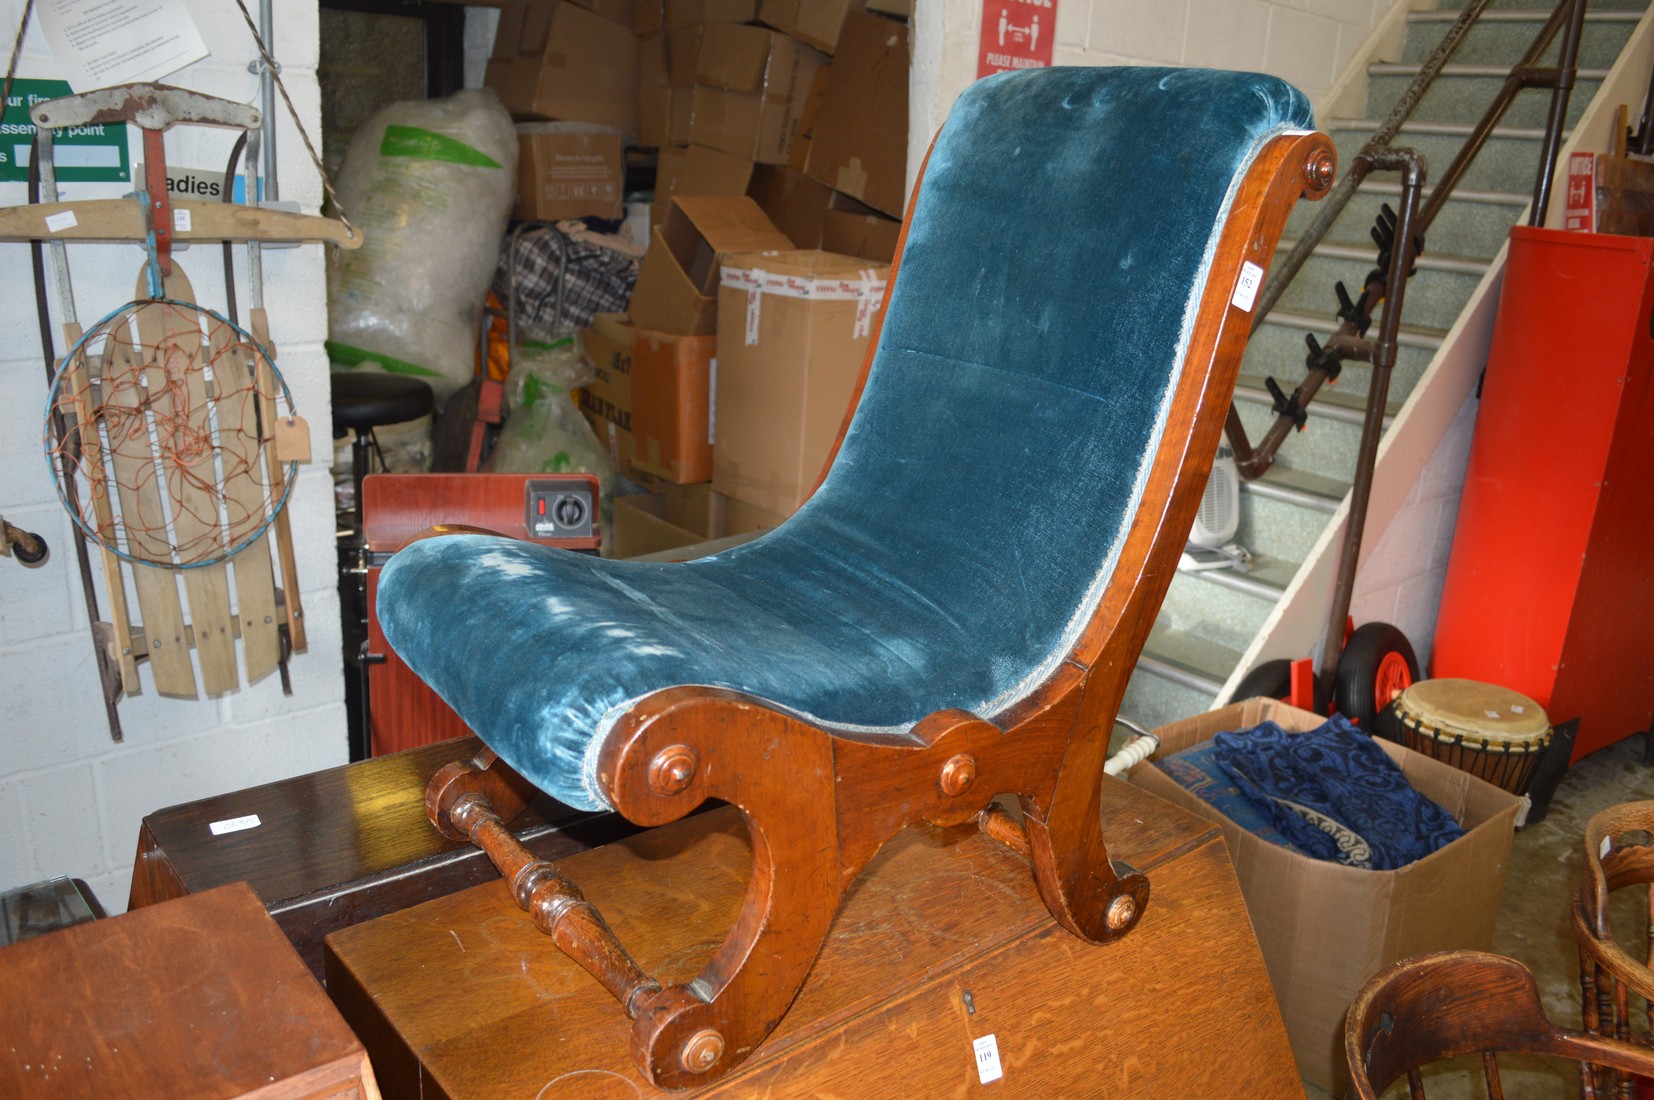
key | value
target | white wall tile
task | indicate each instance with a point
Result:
(1227, 34)
(1302, 49)
(1073, 22)
(14, 835)
(65, 826)
(1147, 32)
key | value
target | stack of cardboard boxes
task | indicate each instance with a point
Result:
(781, 130)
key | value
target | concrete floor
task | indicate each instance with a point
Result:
(1547, 860)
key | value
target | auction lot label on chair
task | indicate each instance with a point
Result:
(1016, 34)
(83, 153)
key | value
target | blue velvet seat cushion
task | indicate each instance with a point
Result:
(1052, 270)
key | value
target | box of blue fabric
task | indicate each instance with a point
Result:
(1351, 853)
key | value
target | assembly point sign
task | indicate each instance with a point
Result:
(1016, 34)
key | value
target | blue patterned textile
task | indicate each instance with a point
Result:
(1196, 770)
(1053, 267)
(1335, 794)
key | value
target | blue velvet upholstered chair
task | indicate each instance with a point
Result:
(954, 613)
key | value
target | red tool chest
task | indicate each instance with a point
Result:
(1550, 586)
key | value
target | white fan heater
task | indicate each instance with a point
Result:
(1219, 515)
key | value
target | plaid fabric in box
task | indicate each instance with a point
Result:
(596, 280)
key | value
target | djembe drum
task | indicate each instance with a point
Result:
(1491, 732)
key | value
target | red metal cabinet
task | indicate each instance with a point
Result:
(1550, 586)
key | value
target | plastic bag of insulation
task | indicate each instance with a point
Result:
(431, 184)
(543, 432)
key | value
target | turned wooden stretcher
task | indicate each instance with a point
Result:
(954, 614)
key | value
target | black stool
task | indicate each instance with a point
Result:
(365, 400)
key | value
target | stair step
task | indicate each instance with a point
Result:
(1275, 522)
(1223, 605)
(1277, 348)
(1435, 294)
(1463, 230)
(1333, 403)
(1502, 37)
(1158, 693)
(1297, 487)
(1190, 659)
(1464, 91)
(1510, 154)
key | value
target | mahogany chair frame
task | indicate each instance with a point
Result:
(819, 806)
(1433, 1007)
(1619, 854)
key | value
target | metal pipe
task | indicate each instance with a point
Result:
(1412, 169)
(1567, 66)
(267, 102)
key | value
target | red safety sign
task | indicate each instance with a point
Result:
(1016, 34)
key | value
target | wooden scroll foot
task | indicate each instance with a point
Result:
(673, 751)
(1094, 897)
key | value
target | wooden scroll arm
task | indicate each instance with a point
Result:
(460, 802)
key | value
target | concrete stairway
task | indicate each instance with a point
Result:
(1215, 626)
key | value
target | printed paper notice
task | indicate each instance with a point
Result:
(101, 43)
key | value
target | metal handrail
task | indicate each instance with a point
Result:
(1324, 363)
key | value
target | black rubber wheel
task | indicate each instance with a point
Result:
(1377, 665)
(1271, 680)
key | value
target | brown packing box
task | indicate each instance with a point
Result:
(681, 13)
(868, 235)
(814, 22)
(858, 143)
(569, 170)
(793, 329)
(560, 61)
(682, 515)
(761, 125)
(696, 170)
(799, 159)
(606, 401)
(683, 51)
(672, 406)
(647, 17)
(677, 284)
(734, 56)
(796, 203)
(618, 11)
(1325, 928)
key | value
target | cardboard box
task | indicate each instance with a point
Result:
(814, 22)
(696, 170)
(682, 13)
(618, 11)
(606, 401)
(858, 143)
(1325, 928)
(794, 329)
(800, 158)
(648, 17)
(677, 284)
(559, 61)
(762, 124)
(796, 203)
(683, 52)
(672, 405)
(734, 56)
(679, 516)
(868, 235)
(569, 170)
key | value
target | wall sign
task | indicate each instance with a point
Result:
(1016, 34)
(83, 153)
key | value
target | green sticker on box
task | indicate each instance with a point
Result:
(82, 154)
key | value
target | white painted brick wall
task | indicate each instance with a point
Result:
(70, 800)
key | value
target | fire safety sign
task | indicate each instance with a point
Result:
(1016, 34)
